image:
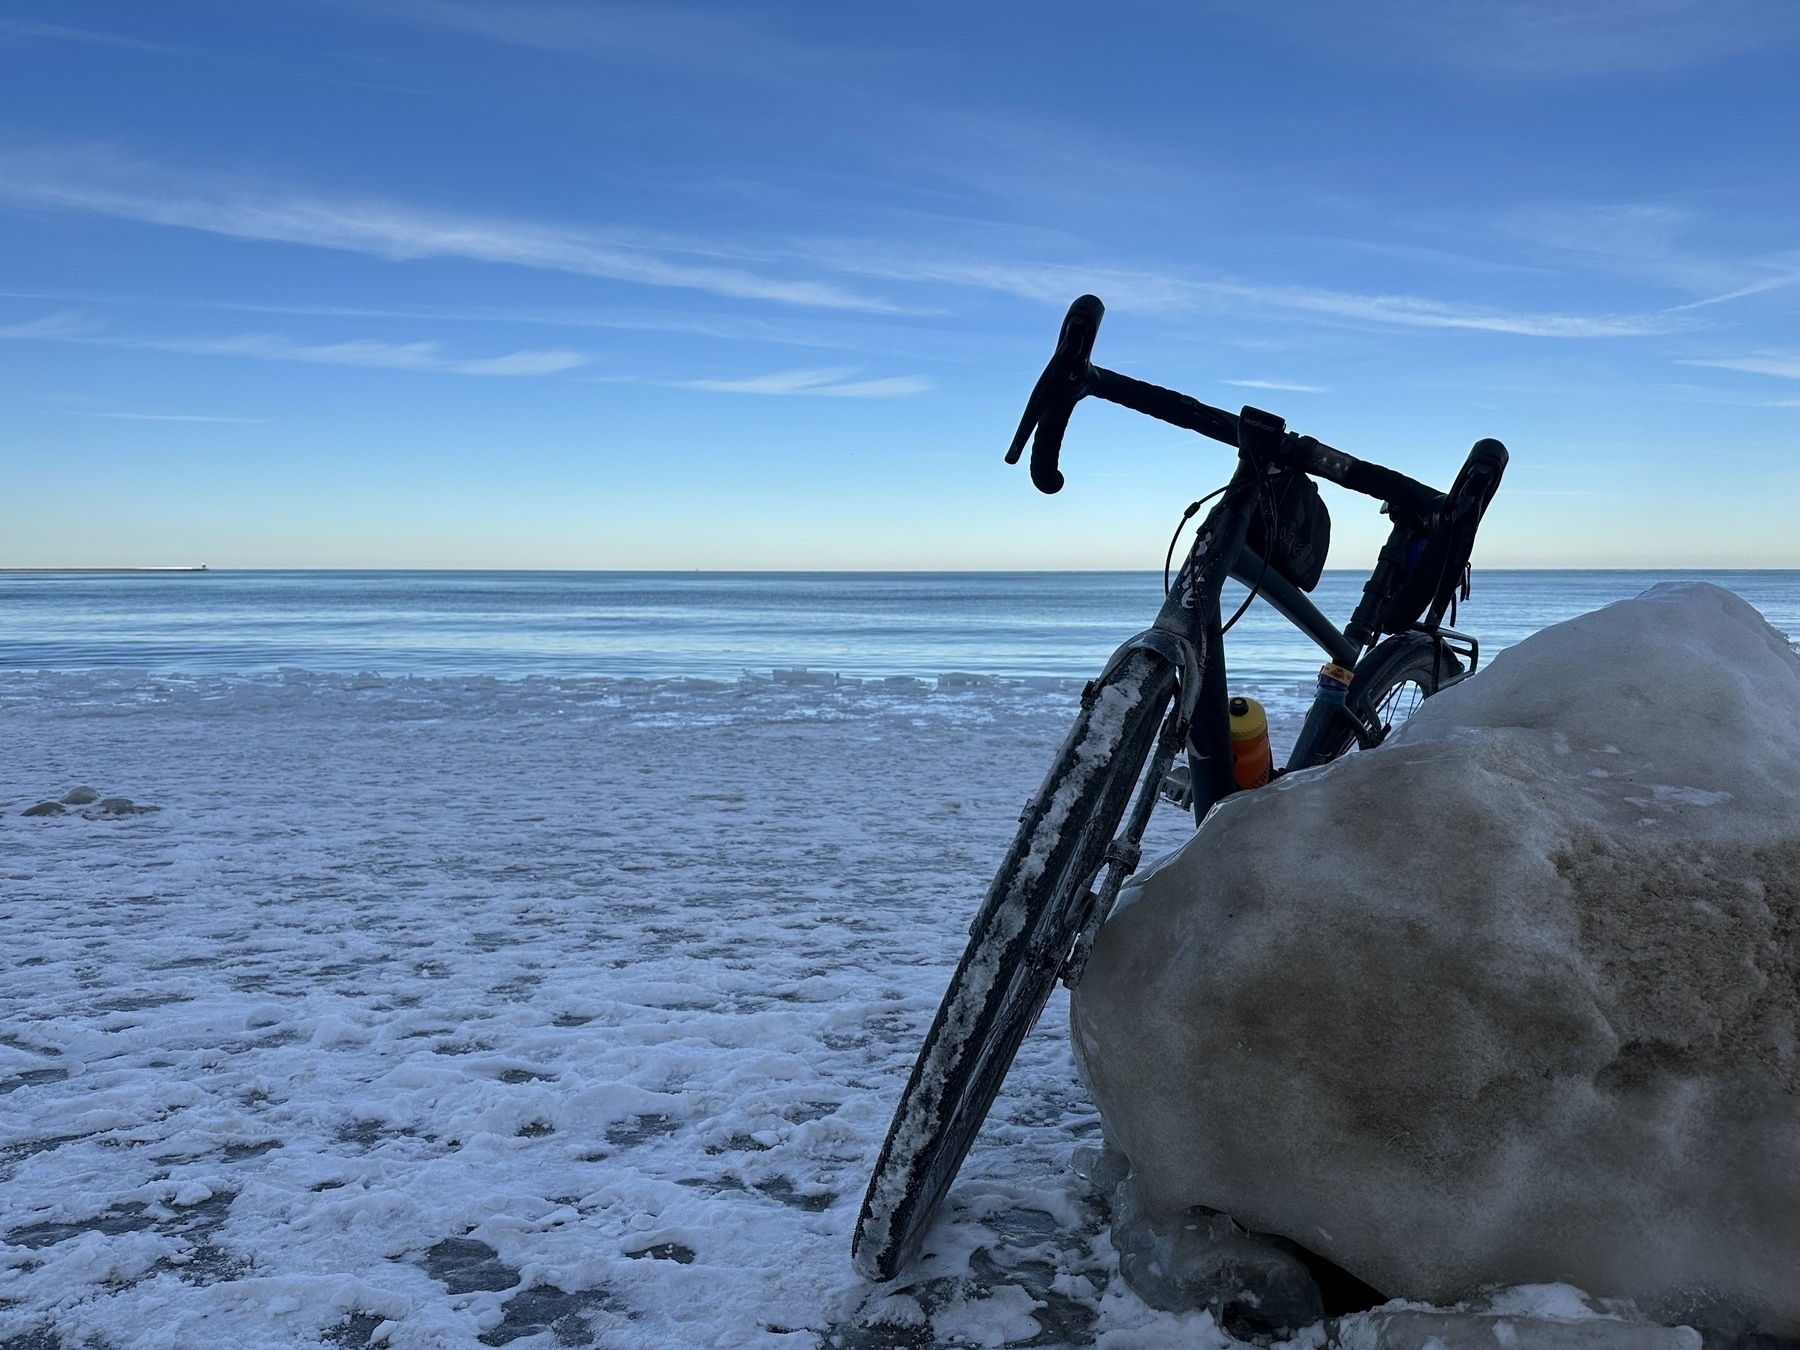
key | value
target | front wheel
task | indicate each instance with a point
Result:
(1390, 684)
(1017, 945)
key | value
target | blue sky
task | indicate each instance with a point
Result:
(547, 283)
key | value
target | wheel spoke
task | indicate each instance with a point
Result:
(1402, 702)
(1398, 704)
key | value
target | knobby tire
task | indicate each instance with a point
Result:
(1017, 945)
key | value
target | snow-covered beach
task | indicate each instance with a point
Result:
(466, 1010)
(617, 979)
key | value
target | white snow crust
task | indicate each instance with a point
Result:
(596, 974)
(573, 969)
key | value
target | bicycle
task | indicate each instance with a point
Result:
(1163, 692)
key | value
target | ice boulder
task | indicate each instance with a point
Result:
(1513, 999)
(1535, 1317)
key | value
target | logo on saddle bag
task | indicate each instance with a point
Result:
(1302, 530)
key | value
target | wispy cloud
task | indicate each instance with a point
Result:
(165, 417)
(1154, 292)
(23, 28)
(1410, 311)
(1644, 241)
(424, 356)
(1616, 229)
(1784, 272)
(824, 383)
(1786, 365)
(380, 355)
(1279, 384)
(1540, 39)
(717, 40)
(98, 182)
(833, 332)
(66, 326)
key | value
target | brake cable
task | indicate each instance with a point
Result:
(1271, 520)
(1270, 515)
(1186, 516)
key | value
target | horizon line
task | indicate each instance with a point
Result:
(801, 571)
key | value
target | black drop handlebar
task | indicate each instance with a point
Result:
(1065, 382)
(1071, 376)
(1427, 552)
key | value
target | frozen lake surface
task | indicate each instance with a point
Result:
(712, 624)
(551, 1009)
(618, 980)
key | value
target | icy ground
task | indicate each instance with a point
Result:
(464, 1011)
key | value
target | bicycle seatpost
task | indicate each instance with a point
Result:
(1063, 384)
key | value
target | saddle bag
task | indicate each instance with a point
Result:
(1302, 530)
(1434, 566)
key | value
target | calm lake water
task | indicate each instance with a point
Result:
(712, 625)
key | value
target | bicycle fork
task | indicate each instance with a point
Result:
(1126, 851)
(1189, 625)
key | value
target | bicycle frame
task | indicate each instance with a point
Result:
(1043, 912)
(1192, 615)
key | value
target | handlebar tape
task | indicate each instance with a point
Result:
(1062, 385)
(1407, 496)
(1166, 405)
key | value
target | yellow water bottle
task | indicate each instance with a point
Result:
(1252, 762)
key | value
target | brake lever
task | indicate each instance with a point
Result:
(1063, 384)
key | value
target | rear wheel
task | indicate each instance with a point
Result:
(1390, 684)
(1017, 945)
